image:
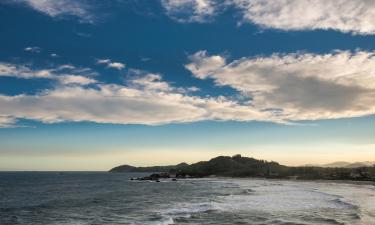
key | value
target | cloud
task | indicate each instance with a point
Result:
(65, 74)
(75, 79)
(7, 122)
(33, 49)
(299, 86)
(280, 88)
(103, 61)
(61, 8)
(144, 98)
(110, 64)
(150, 81)
(341, 15)
(202, 65)
(187, 11)
(116, 65)
(150, 103)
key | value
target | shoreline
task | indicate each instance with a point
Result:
(355, 182)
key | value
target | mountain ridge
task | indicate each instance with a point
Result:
(344, 164)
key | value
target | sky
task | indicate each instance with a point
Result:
(90, 84)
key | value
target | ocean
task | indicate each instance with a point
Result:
(111, 198)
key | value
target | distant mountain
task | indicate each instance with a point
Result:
(336, 164)
(343, 164)
(360, 164)
(129, 169)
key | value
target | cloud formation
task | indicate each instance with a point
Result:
(142, 100)
(61, 8)
(342, 15)
(7, 122)
(297, 86)
(280, 88)
(110, 64)
(187, 11)
(33, 49)
(65, 74)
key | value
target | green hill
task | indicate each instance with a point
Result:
(236, 166)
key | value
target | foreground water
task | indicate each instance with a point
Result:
(106, 198)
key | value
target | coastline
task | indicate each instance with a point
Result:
(157, 176)
(355, 182)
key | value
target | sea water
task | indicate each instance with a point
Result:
(112, 198)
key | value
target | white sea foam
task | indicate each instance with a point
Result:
(185, 210)
(362, 196)
(351, 202)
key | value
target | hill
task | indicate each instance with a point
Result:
(133, 169)
(238, 166)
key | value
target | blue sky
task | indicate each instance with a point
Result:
(87, 85)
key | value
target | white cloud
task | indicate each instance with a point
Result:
(75, 79)
(23, 71)
(7, 122)
(187, 11)
(110, 64)
(277, 88)
(116, 65)
(144, 99)
(33, 49)
(122, 105)
(65, 74)
(54, 55)
(152, 82)
(202, 65)
(341, 15)
(103, 61)
(61, 8)
(298, 86)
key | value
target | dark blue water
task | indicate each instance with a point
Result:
(109, 198)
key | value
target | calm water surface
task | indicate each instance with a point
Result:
(106, 198)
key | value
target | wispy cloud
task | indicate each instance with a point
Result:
(66, 74)
(7, 122)
(297, 86)
(62, 8)
(33, 49)
(110, 64)
(203, 65)
(187, 11)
